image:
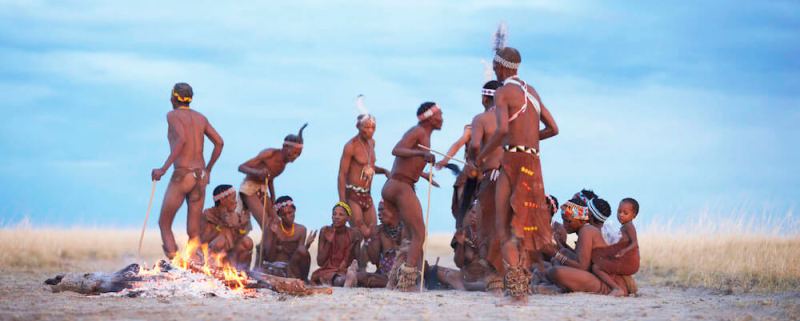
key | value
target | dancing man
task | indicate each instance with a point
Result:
(522, 218)
(261, 172)
(356, 169)
(191, 174)
(398, 192)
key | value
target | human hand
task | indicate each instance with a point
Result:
(328, 234)
(310, 238)
(157, 173)
(440, 164)
(429, 158)
(461, 237)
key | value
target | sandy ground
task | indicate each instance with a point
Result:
(23, 297)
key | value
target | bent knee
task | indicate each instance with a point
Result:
(246, 243)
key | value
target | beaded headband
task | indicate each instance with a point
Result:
(224, 194)
(505, 63)
(596, 213)
(286, 203)
(428, 113)
(181, 98)
(487, 92)
(345, 207)
(292, 144)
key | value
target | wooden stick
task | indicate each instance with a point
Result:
(441, 154)
(146, 216)
(263, 223)
(427, 220)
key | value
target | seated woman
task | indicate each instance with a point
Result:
(474, 272)
(286, 250)
(572, 274)
(224, 228)
(338, 247)
(621, 258)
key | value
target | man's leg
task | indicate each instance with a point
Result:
(410, 211)
(243, 253)
(173, 199)
(194, 201)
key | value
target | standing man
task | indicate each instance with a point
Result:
(398, 192)
(484, 126)
(190, 174)
(523, 222)
(356, 169)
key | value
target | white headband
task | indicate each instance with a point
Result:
(599, 216)
(283, 204)
(293, 144)
(428, 113)
(487, 92)
(224, 194)
(366, 118)
(505, 63)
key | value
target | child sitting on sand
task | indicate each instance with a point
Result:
(621, 258)
(225, 227)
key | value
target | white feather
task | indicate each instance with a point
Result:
(488, 72)
(500, 37)
(362, 109)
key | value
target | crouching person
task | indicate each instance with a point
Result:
(225, 227)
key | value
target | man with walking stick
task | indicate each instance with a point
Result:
(191, 174)
(398, 192)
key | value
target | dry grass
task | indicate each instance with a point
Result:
(729, 262)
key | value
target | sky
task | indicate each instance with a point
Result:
(689, 107)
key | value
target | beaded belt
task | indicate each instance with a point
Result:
(357, 189)
(521, 149)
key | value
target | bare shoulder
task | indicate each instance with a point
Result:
(300, 228)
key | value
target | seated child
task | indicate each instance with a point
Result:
(225, 227)
(338, 247)
(621, 258)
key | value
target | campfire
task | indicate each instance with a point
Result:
(192, 272)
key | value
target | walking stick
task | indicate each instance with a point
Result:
(146, 216)
(263, 223)
(427, 219)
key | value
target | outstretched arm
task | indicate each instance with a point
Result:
(175, 130)
(463, 140)
(216, 139)
(583, 251)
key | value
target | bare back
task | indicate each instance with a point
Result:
(484, 125)
(191, 126)
(524, 130)
(270, 159)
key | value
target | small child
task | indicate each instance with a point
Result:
(621, 258)
(225, 227)
(559, 233)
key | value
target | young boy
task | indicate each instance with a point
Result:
(225, 228)
(621, 258)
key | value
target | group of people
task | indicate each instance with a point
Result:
(504, 238)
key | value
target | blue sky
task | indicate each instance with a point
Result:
(689, 107)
